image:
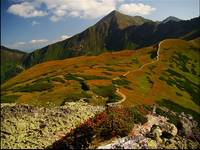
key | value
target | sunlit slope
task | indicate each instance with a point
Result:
(174, 77)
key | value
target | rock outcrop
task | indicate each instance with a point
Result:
(157, 133)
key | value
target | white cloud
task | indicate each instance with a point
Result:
(35, 23)
(41, 41)
(58, 9)
(55, 18)
(26, 10)
(86, 9)
(136, 9)
(63, 37)
(17, 45)
(20, 43)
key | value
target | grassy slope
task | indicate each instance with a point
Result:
(10, 63)
(148, 85)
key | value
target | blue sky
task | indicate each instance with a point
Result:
(32, 24)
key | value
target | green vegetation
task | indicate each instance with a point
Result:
(9, 98)
(135, 60)
(58, 79)
(177, 108)
(37, 86)
(121, 82)
(70, 76)
(184, 84)
(72, 97)
(181, 61)
(45, 79)
(92, 77)
(119, 122)
(84, 85)
(152, 54)
(145, 83)
(79, 77)
(107, 73)
(107, 91)
(11, 63)
(138, 117)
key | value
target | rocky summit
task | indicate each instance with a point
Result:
(25, 126)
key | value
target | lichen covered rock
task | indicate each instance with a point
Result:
(24, 126)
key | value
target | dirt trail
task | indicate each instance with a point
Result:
(125, 74)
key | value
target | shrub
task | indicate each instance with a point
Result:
(107, 92)
(117, 122)
(72, 97)
(153, 54)
(84, 85)
(58, 79)
(138, 117)
(178, 108)
(122, 82)
(92, 77)
(38, 86)
(9, 98)
(46, 79)
(70, 76)
(79, 77)
(135, 60)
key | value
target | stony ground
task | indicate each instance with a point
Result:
(24, 126)
(157, 133)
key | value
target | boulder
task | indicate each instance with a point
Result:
(151, 144)
(157, 132)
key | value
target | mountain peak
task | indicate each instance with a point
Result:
(171, 18)
(121, 20)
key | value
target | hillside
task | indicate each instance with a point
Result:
(123, 85)
(115, 32)
(137, 74)
(11, 61)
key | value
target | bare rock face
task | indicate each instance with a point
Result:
(24, 126)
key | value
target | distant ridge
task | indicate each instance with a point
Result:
(171, 18)
(114, 32)
(11, 62)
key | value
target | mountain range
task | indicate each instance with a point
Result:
(114, 32)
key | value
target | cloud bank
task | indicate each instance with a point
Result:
(86, 9)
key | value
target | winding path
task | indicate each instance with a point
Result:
(125, 74)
